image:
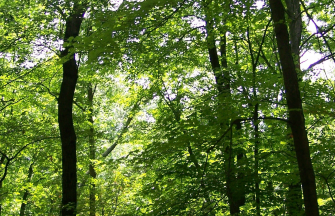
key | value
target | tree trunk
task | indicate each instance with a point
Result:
(213, 55)
(295, 27)
(294, 202)
(93, 174)
(257, 180)
(65, 103)
(222, 80)
(26, 192)
(2, 160)
(296, 116)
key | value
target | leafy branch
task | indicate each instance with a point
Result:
(11, 159)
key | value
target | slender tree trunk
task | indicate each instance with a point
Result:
(213, 55)
(296, 115)
(257, 180)
(92, 152)
(2, 160)
(240, 155)
(65, 103)
(26, 192)
(234, 187)
(222, 78)
(254, 60)
(224, 62)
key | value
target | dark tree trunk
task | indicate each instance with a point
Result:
(296, 116)
(65, 103)
(294, 195)
(294, 201)
(26, 192)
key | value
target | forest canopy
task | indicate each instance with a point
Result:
(167, 107)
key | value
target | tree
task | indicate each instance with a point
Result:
(296, 115)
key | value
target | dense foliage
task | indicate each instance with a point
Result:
(181, 107)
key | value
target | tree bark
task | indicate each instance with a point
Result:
(65, 103)
(294, 201)
(296, 116)
(295, 27)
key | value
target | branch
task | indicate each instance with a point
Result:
(49, 91)
(28, 72)
(5, 172)
(165, 19)
(15, 102)
(237, 121)
(124, 129)
(319, 30)
(11, 43)
(273, 118)
(192, 157)
(322, 32)
(262, 42)
(321, 61)
(329, 189)
(79, 106)
(37, 140)
(10, 159)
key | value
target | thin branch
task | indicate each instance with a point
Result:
(5, 172)
(48, 90)
(329, 189)
(235, 122)
(321, 61)
(165, 19)
(37, 140)
(316, 33)
(273, 118)
(124, 129)
(28, 72)
(10, 159)
(319, 30)
(11, 43)
(262, 42)
(78, 105)
(15, 102)
(225, 133)
(192, 157)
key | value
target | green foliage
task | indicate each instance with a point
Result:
(156, 99)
